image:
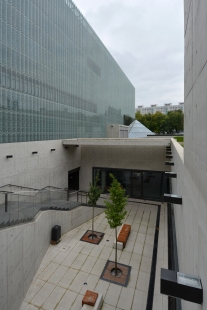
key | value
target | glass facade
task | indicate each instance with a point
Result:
(57, 79)
(139, 184)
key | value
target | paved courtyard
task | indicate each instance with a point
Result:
(73, 266)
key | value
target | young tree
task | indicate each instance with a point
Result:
(93, 195)
(115, 209)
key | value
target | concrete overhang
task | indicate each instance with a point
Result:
(117, 142)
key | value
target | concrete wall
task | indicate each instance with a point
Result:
(190, 221)
(123, 157)
(22, 249)
(191, 217)
(39, 170)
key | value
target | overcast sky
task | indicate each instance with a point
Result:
(146, 39)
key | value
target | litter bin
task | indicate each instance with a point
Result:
(56, 233)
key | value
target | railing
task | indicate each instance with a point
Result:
(23, 204)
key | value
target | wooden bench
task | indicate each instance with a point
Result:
(92, 301)
(122, 237)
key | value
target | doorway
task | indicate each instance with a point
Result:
(73, 179)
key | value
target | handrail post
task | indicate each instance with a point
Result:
(68, 195)
(6, 202)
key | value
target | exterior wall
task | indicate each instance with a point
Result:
(191, 217)
(57, 79)
(190, 221)
(123, 157)
(22, 249)
(38, 170)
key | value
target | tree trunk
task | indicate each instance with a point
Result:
(116, 253)
(93, 222)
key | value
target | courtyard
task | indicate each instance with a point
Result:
(72, 266)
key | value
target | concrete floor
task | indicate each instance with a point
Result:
(59, 282)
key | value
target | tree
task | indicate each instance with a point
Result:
(93, 195)
(115, 209)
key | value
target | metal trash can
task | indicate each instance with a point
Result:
(56, 233)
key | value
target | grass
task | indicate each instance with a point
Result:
(179, 138)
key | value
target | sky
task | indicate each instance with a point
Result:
(146, 38)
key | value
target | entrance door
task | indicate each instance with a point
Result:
(136, 184)
(73, 179)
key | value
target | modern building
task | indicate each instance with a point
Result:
(57, 79)
(139, 164)
(167, 107)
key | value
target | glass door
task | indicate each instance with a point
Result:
(136, 184)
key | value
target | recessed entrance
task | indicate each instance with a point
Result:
(139, 184)
(73, 179)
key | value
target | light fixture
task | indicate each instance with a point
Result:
(169, 156)
(168, 152)
(9, 156)
(34, 152)
(52, 150)
(181, 285)
(173, 199)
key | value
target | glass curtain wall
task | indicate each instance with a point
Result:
(138, 184)
(57, 79)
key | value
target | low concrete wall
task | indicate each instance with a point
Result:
(190, 221)
(38, 170)
(23, 247)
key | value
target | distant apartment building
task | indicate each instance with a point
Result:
(167, 107)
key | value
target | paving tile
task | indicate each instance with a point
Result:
(87, 248)
(141, 237)
(43, 294)
(88, 264)
(98, 267)
(54, 298)
(138, 248)
(36, 285)
(139, 300)
(143, 281)
(68, 278)
(58, 274)
(112, 294)
(102, 287)
(125, 258)
(157, 302)
(70, 259)
(78, 281)
(79, 261)
(91, 281)
(142, 229)
(105, 253)
(49, 270)
(135, 261)
(60, 257)
(31, 307)
(67, 301)
(125, 298)
(77, 303)
(146, 263)
(107, 307)
(133, 278)
(148, 250)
